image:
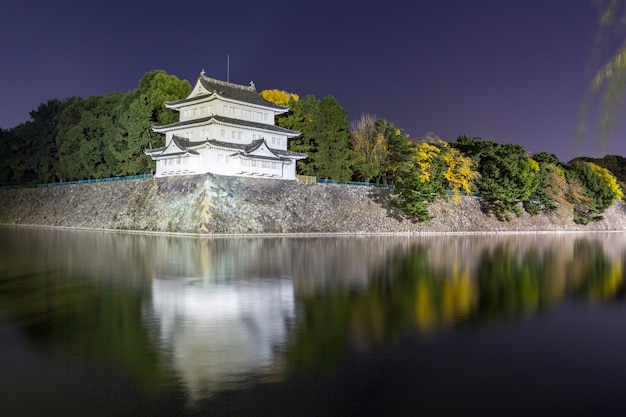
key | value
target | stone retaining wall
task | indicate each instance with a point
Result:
(212, 204)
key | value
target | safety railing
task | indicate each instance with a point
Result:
(87, 181)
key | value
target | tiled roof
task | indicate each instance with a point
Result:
(182, 143)
(246, 94)
(243, 149)
(251, 147)
(256, 144)
(289, 154)
(229, 120)
(229, 145)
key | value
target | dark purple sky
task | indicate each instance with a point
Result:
(508, 70)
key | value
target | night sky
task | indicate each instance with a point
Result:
(513, 71)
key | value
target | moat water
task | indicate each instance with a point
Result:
(117, 324)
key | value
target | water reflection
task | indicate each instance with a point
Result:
(222, 334)
(210, 315)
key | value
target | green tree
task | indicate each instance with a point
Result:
(420, 183)
(301, 117)
(139, 111)
(88, 131)
(332, 157)
(470, 147)
(69, 118)
(97, 137)
(33, 155)
(15, 162)
(399, 152)
(543, 198)
(324, 136)
(602, 192)
(614, 163)
(508, 177)
(5, 155)
(12, 165)
(380, 149)
(42, 147)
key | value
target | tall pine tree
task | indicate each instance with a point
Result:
(333, 157)
(324, 136)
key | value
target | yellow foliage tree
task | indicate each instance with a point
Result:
(459, 172)
(279, 96)
(436, 167)
(608, 179)
(425, 153)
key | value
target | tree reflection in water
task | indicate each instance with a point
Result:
(414, 291)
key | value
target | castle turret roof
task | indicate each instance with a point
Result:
(238, 92)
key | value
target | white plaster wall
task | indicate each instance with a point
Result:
(209, 162)
(178, 166)
(196, 165)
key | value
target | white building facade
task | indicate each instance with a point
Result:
(225, 129)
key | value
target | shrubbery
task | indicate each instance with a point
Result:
(508, 180)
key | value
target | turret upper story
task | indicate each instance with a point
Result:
(211, 97)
